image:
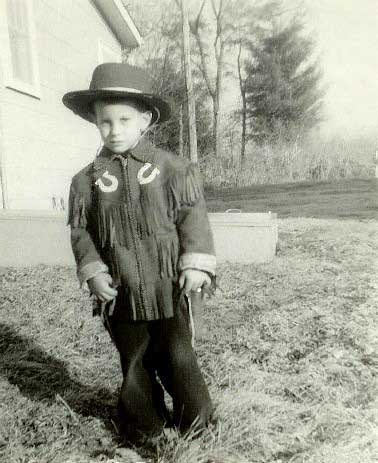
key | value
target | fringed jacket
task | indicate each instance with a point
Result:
(143, 218)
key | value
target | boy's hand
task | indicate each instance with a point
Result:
(192, 280)
(100, 285)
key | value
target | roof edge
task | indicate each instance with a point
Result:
(120, 22)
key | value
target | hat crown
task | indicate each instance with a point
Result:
(120, 75)
(117, 81)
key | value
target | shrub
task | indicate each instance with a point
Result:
(282, 162)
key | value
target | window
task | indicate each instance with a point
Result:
(21, 65)
(107, 54)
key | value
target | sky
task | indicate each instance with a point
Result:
(346, 33)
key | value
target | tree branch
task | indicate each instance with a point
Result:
(205, 68)
(197, 20)
(219, 27)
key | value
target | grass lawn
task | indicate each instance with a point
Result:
(351, 198)
(291, 358)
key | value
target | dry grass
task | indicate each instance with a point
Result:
(291, 360)
(281, 161)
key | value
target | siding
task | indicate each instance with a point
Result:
(44, 144)
(34, 237)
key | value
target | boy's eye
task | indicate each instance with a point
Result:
(125, 119)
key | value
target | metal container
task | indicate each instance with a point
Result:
(244, 237)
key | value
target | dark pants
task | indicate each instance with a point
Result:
(158, 350)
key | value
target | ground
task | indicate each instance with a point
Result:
(291, 358)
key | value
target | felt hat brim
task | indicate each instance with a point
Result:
(81, 102)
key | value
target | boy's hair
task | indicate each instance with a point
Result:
(139, 105)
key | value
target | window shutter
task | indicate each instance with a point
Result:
(20, 41)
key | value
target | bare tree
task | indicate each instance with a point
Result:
(242, 86)
(244, 28)
(188, 82)
(199, 29)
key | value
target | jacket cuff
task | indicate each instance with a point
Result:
(90, 270)
(198, 261)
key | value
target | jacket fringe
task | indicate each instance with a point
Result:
(148, 215)
(114, 268)
(114, 229)
(113, 226)
(168, 253)
(77, 215)
(184, 189)
(159, 302)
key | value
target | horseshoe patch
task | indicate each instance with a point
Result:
(107, 188)
(142, 179)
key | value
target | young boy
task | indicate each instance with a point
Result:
(142, 241)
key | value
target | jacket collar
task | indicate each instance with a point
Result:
(143, 152)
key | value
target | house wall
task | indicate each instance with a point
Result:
(30, 238)
(43, 143)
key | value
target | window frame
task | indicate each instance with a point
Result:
(10, 81)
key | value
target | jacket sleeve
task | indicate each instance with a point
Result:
(193, 227)
(88, 260)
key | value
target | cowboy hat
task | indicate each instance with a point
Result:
(117, 80)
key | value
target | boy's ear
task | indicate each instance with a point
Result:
(147, 117)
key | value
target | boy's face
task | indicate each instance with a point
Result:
(121, 124)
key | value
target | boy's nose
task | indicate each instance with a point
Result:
(115, 129)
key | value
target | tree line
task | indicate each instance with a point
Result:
(258, 55)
